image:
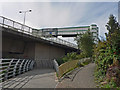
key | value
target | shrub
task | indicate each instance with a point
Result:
(83, 45)
(107, 55)
(113, 73)
(68, 57)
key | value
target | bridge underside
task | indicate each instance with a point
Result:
(20, 45)
(70, 35)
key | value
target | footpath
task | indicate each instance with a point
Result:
(34, 79)
(79, 78)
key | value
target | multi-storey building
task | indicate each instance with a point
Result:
(70, 31)
(74, 31)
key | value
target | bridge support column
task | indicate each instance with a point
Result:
(45, 53)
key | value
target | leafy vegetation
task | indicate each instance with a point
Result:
(71, 65)
(84, 61)
(85, 47)
(68, 57)
(85, 43)
(67, 63)
(107, 56)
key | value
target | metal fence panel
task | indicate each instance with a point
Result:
(12, 67)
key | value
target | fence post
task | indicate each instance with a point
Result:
(1, 70)
(15, 67)
(6, 74)
(13, 24)
(3, 20)
(31, 64)
(20, 68)
(24, 68)
(28, 64)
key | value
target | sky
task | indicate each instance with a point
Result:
(63, 13)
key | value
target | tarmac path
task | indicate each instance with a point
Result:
(80, 78)
(37, 78)
(46, 78)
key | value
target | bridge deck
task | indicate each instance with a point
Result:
(37, 78)
(13, 26)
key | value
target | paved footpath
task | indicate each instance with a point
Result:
(37, 78)
(81, 78)
(45, 78)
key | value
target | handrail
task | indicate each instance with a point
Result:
(13, 21)
(6, 74)
(65, 67)
(21, 66)
(14, 67)
(8, 23)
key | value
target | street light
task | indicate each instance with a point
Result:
(25, 14)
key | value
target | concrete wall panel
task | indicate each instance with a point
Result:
(12, 48)
(47, 52)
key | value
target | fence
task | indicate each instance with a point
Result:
(8, 23)
(56, 66)
(65, 67)
(13, 67)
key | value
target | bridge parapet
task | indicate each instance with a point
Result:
(13, 67)
(16, 26)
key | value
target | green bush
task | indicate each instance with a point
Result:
(107, 56)
(71, 56)
(83, 45)
(68, 57)
(60, 61)
(81, 55)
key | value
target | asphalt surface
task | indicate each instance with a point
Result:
(38, 78)
(46, 78)
(80, 78)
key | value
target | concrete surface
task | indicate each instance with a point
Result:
(38, 78)
(20, 45)
(82, 78)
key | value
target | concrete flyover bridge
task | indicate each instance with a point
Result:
(19, 41)
(21, 44)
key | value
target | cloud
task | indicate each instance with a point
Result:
(47, 15)
(57, 14)
(99, 13)
(102, 16)
(61, 14)
(42, 15)
(0, 8)
(58, 1)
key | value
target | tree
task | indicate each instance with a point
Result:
(85, 43)
(107, 55)
(112, 25)
(113, 37)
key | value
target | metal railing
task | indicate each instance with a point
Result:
(8, 23)
(60, 41)
(68, 66)
(13, 67)
(65, 67)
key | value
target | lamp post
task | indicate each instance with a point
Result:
(24, 12)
